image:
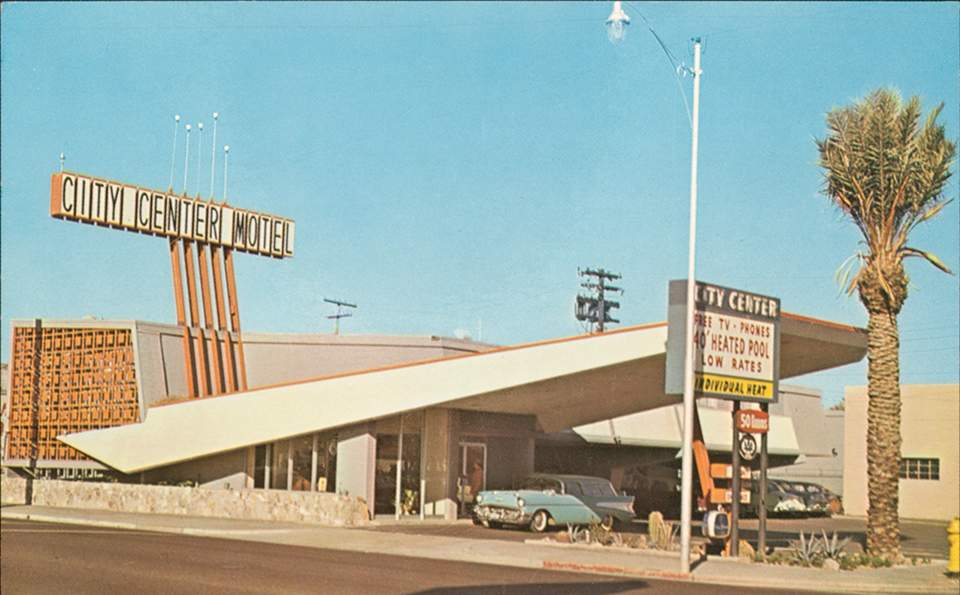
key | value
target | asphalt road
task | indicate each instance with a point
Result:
(40, 558)
(920, 539)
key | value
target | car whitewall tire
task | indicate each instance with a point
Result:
(540, 521)
(607, 522)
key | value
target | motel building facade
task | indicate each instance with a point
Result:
(342, 413)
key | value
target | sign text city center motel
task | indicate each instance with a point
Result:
(213, 350)
(93, 200)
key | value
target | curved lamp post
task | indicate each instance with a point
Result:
(617, 30)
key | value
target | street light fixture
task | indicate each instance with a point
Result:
(617, 25)
(616, 31)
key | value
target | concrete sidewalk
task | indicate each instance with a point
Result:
(533, 553)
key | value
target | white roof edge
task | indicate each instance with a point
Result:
(717, 425)
(192, 429)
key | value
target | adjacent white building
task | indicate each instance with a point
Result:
(930, 452)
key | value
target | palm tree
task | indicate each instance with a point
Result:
(887, 173)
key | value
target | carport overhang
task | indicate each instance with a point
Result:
(563, 383)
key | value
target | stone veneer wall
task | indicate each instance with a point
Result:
(319, 507)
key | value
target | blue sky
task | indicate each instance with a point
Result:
(450, 166)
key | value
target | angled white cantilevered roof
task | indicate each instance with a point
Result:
(564, 383)
(663, 428)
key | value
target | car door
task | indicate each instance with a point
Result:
(568, 507)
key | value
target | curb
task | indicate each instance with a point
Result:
(930, 582)
(26, 516)
(619, 570)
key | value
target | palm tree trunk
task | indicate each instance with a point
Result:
(883, 434)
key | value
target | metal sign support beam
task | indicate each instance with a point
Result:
(235, 315)
(216, 380)
(182, 316)
(209, 369)
(230, 384)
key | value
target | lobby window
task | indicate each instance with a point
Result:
(919, 468)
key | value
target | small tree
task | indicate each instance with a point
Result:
(887, 173)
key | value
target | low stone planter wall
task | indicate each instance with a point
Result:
(305, 507)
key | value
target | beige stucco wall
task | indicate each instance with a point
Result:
(930, 428)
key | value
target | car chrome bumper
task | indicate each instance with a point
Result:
(501, 514)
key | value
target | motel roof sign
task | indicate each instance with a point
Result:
(97, 201)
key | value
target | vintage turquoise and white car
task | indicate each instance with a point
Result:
(545, 499)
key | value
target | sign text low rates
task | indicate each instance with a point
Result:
(736, 343)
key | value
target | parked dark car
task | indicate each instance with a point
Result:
(654, 488)
(818, 500)
(545, 499)
(780, 500)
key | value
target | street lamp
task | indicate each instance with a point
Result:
(617, 25)
(616, 31)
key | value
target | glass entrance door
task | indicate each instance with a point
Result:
(473, 473)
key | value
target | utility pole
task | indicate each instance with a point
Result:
(339, 314)
(34, 411)
(596, 308)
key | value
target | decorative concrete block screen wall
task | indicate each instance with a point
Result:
(306, 507)
(87, 381)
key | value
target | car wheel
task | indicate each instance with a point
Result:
(607, 522)
(540, 521)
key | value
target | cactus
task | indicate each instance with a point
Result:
(661, 532)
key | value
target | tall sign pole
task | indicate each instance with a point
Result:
(686, 477)
(616, 31)
(34, 411)
(762, 491)
(735, 486)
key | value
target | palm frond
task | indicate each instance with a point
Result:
(886, 168)
(928, 256)
(844, 280)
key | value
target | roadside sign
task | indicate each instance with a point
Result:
(753, 421)
(736, 341)
(716, 525)
(723, 471)
(748, 447)
(726, 496)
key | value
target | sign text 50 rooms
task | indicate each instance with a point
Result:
(736, 342)
(93, 200)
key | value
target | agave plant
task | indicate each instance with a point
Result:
(831, 548)
(578, 534)
(806, 552)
